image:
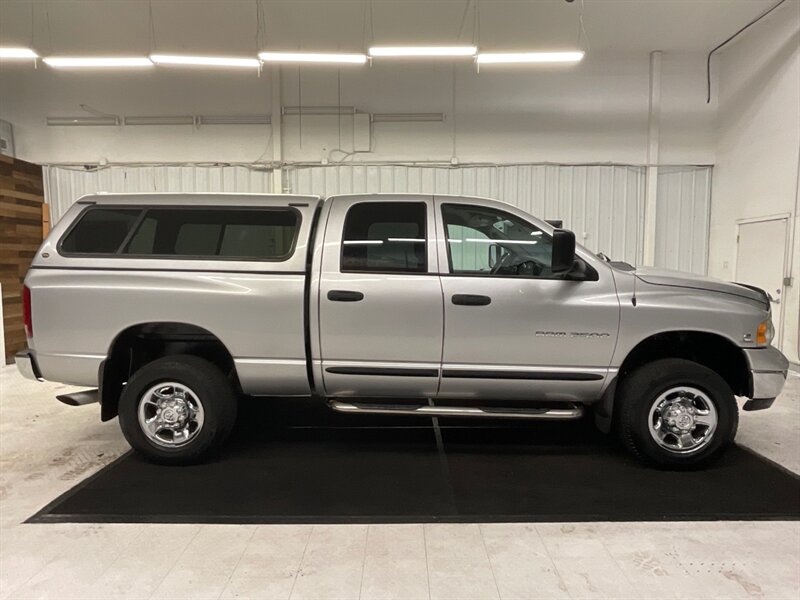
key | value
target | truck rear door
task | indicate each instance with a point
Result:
(380, 324)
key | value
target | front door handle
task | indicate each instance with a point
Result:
(471, 300)
(345, 296)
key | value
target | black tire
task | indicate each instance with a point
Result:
(638, 392)
(213, 392)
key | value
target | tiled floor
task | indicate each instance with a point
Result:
(45, 448)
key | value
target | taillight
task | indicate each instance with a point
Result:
(26, 311)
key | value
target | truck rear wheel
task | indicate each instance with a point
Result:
(177, 410)
(675, 413)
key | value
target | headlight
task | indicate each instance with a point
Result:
(765, 333)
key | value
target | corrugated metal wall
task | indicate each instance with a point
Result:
(65, 185)
(682, 218)
(603, 204)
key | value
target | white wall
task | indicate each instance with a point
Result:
(596, 111)
(64, 185)
(756, 172)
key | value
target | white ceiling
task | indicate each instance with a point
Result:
(229, 26)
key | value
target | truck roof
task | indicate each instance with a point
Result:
(389, 196)
(198, 199)
(253, 199)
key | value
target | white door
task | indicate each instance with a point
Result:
(761, 259)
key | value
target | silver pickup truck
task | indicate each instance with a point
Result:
(171, 306)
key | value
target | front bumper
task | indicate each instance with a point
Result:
(768, 369)
(26, 363)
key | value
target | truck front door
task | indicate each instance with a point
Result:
(380, 298)
(513, 328)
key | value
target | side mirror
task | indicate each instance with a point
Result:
(563, 251)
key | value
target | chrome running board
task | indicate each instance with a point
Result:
(424, 410)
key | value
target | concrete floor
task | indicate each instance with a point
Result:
(46, 448)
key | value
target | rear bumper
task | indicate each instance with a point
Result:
(768, 369)
(26, 363)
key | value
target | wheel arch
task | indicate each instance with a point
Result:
(711, 350)
(139, 344)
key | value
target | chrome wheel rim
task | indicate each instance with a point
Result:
(170, 414)
(683, 420)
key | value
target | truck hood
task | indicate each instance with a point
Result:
(668, 277)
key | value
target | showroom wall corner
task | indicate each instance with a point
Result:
(758, 150)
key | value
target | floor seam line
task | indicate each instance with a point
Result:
(563, 584)
(488, 559)
(619, 566)
(427, 568)
(300, 564)
(239, 560)
(175, 562)
(364, 561)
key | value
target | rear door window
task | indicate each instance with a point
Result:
(385, 237)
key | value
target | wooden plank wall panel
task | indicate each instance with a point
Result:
(21, 202)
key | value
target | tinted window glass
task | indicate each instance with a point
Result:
(142, 241)
(197, 239)
(486, 241)
(209, 233)
(385, 237)
(99, 231)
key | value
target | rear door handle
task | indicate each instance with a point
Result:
(345, 296)
(471, 300)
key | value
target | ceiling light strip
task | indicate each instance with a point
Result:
(17, 53)
(422, 51)
(84, 62)
(489, 58)
(205, 61)
(313, 57)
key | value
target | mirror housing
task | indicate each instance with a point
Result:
(563, 251)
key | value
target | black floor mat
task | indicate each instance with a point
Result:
(294, 461)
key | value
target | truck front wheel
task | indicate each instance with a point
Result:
(675, 413)
(177, 410)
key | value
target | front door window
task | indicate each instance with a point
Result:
(490, 242)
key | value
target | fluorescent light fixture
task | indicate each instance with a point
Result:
(234, 120)
(82, 121)
(204, 61)
(313, 57)
(497, 58)
(422, 51)
(177, 120)
(83, 62)
(406, 117)
(17, 53)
